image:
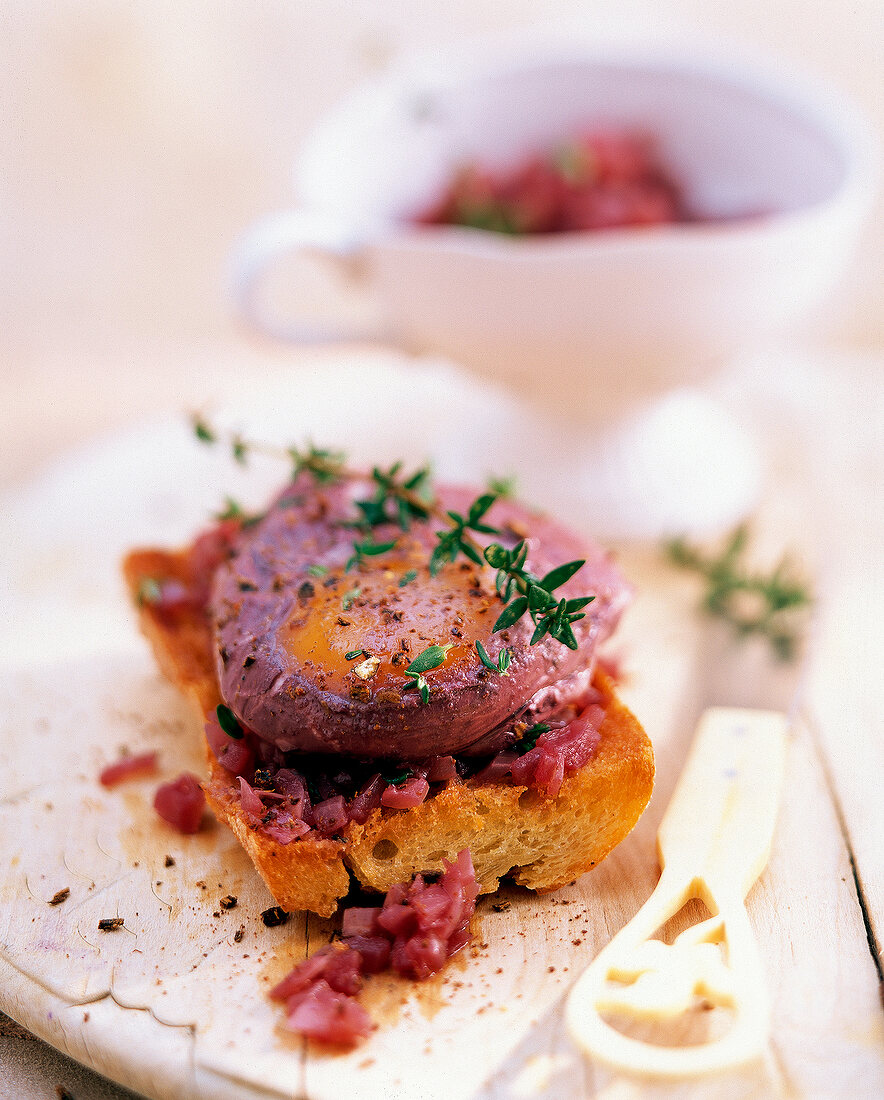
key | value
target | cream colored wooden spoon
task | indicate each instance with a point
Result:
(713, 843)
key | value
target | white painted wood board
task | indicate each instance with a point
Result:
(207, 1029)
(175, 1007)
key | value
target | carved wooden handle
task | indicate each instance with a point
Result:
(714, 842)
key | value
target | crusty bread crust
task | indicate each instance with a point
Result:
(542, 843)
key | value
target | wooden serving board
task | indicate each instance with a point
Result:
(173, 1006)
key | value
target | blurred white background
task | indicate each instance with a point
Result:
(138, 140)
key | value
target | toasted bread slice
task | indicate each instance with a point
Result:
(542, 843)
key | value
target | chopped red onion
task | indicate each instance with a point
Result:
(330, 816)
(368, 799)
(128, 768)
(418, 928)
(252, 805)
(284, 828)
(236, 755)
(360, 921)
(180, 803)
(405, 797)
(329, 1016)
(374, 951)
(343, 971)
(441, 768)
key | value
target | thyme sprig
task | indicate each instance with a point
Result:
(522, 592)
(504, 658)
(398, 499)
(753, 604)
(324, 465)
(457, 540)
(234, 510)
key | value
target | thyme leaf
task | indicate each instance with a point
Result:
(366, 548)
(398, 778)
(431, 657)
(529, 738)
(502, 487)
(239, 449)
(227, 721)
(504, 658)
(511, 614)
(557, 577)
(202, 430)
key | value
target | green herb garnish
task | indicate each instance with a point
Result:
(239, 450)
(432, 657)
(502, 487)
(457, 541)
(397, 498)
(232, 510)
(353, 654)
(751, 603)
(399, 778)
(227, 721)
(400, 499)
(504, 657)
(529, 738)
(494, 216)
(325, 467)
(349, 596)
(366, 548)
(522, 592)
(202, 430)
(317, 570)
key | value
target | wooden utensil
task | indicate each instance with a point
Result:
(713, 843)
